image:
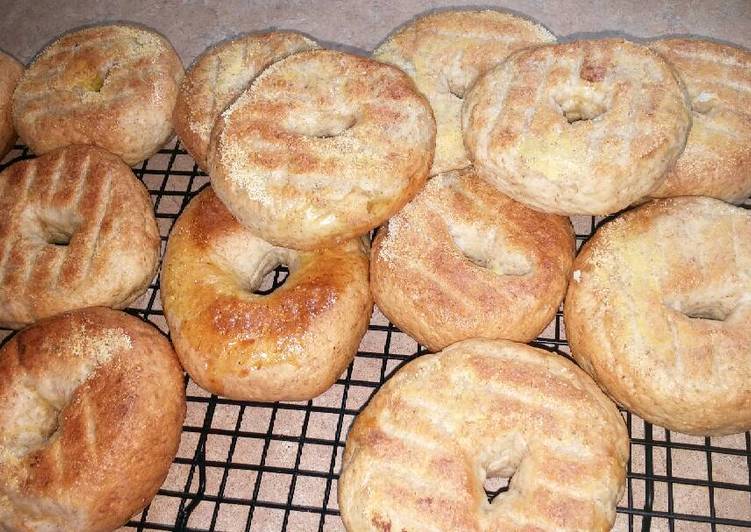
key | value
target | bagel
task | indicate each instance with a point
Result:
(585, 127)
(417, 456)
(289, 345)
(77, 230)
(658, 314)
(323, 147)
(93, 406)
(221, 74)
(462, 260)
(717, 158)
(10, 71)
(445, 53)
(112, 86)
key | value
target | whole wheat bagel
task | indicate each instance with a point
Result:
(658, 313)
(10, 71)
(291, 344)
(445, 53)
(586, 127)
(219, 76)
(323, 147)
(417, 456)
(717, 158)
(93, 405)
(462, 260)
(77, 230)
(113, 86)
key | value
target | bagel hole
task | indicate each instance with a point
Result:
(57, 228)
(580, 106)
(457, 88)
(484, 250)
(271, 280)
(495, 485)
(323, 125)
(712, 311)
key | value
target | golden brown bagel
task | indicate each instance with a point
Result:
(10, 71)
(445, 53)
(717, 158)
(221, 74)
(585, 127)
(658, 313)
(93, 409)
(323, 147)
(113, 86)
(462, 260)
(291, 344)
(77, 230)
(417, 456)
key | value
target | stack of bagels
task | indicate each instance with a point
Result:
(467, 139)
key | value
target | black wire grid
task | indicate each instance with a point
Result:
(257, 466)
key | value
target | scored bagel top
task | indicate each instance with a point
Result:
(113, 86)
(585, 127)
(717, 158)
(94, 404)
(462, 260)
(322, 147)
(219, 75)
(445, 52)
(77, 230)
(418, 454)
(658, 312)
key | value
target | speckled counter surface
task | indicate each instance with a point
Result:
(287, 457)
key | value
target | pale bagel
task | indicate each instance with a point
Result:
(221, 74)
(77, 230)
(418, 454)
(658, 312)
(112, 86)
(717, 158)
(323, 147)
(445, 53)
(585, 127)
(462, 260)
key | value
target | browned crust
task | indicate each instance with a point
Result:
(289, 345)
(321, 148)
(117, 434)
(92, 196)
(427, 286)
(219, 75)
(112, 86)
(10, 72)
(717, 158)
(417, 454)
(627, 313)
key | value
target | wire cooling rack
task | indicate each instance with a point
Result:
(254, 466)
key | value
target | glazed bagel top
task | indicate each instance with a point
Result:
(290, 344)
(717, 158)
(445, 53)
(417, 456)
(77, 230)
(462, 260)
(10, 72)
(658, 313)
(94, 404)
(585, 127)
(219, 75)
(322, 147)
(113, 86)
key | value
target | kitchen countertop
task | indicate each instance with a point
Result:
(359, 26)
